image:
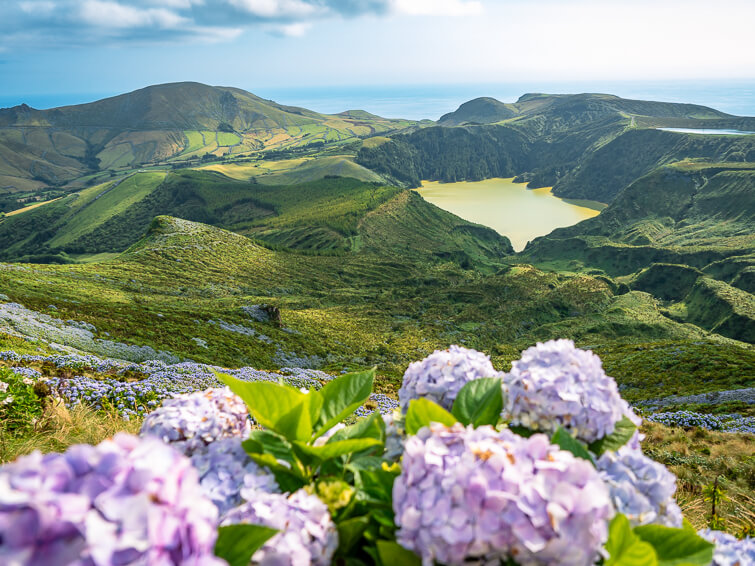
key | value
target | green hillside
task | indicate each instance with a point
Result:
(587, 146)
(62, 148)
(382, 305)
(683, 233)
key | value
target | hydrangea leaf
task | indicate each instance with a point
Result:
(625, 548)
(265, 441)
(423, 412)
(618, 438)
(237, 544)
(283, 409)
(479, 402)
(341, 397)
(392, 553)
(567, 442)
(289, 477)
(349, 533)
(369, 427)
(675, 547)
(339, 448)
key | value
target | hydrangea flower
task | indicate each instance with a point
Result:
(441, 375)
(640, 488)
(125, 501)
(555, 384)
(729, 550)
(191, 422)
(308, 535)
(469, 496)
(226, 471)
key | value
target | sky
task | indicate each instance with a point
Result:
(112, 46)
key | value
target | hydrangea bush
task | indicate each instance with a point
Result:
(125, 501)
(539, 466)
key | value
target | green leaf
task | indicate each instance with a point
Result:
(331, 450)
(676, 546)
(625, 548)
(393, 554)
(341, 397)
(567, 442)
(283, 409)
(423, 412)
(522, 431)
(289, 478)
(369, 427)
(618, 438)
(261, 441)
(349, 533)
(237, 544)
(479, 402)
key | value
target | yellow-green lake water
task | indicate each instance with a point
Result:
(509, 208)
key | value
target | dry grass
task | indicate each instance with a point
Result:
(60, 428)
(697, 457)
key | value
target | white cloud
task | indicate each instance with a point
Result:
(113, 15)
(275, 8)
(438, 7)
(297, 29)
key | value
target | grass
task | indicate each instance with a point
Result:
(697, 457)
(59, 427)
(109, 201)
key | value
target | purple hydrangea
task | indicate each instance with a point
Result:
(555, 384)
(192, 421)
(640, 488)
(308, 535)
(126, 501)
(441, 375)
(729, 550)
(227, 474)
(470, 495)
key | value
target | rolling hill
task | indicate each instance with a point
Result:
(42, 150)
(587, 146)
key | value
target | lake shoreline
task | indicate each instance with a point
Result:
(509, 208)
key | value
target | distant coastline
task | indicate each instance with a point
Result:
(432, 101)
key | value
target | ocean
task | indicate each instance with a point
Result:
(432, 101)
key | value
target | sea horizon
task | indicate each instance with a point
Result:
(431, 101)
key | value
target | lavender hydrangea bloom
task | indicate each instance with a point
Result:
(191, 422)
(555, 384)
(441, 375)
(640, 488)
(125, 501)
(729, 550)
(308, 535)
(225, 471)
(472, 496)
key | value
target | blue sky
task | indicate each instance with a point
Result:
(111, 46)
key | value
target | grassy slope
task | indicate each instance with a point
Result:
(672, 233)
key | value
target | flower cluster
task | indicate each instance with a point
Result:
(208, 427)
(468, 494)
(228, 476)
(641, 488)
(381, 402)
(555, 384)
(307, 534)
(136, 388)
(729, 550)
(195, 420)
(722, 423)
(125, 501)
(441, 375)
